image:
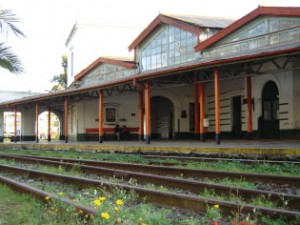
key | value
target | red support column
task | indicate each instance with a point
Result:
(202, 111)
(217, 105)
(15, 125)
(37, 106)
(49, 124)
(101, 106)
(66, 121)
(148, 112)
(196, 110)
(141, 116)
(249, 108)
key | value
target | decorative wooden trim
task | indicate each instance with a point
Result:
(15, 124)
(148, 112)
(217, 104)
(101, 107)
(66, 120)
(37, 122)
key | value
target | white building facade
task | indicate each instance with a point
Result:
(189, 77)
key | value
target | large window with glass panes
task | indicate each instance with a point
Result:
(169, 46)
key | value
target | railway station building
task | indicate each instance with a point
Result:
(190, 77)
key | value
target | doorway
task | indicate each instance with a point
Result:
(161, 118)
(270, 111)
(236, 126)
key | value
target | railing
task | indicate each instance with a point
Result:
(245, 46)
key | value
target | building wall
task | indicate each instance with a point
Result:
(28, 124)
(181, 97)
(88, 43)
(296, 96)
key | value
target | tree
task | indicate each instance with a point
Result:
(8, 60)
(61, 79)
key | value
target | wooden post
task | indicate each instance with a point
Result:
(49, 124)
(249, 108)
(66, 120)
(141, 116)
(217, 105)
(37, 122)
(202, 111)
(196, 110)
(148, 112)
(101, 105)
(15, 124)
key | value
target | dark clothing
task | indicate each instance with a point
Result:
(118, 132)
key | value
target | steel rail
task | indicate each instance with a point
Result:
(217, 159)
(170, 199)
(179, 183)
(83, 211)
(175, 171)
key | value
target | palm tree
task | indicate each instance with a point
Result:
(8, 60)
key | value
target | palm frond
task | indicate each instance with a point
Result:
(7, 23)
(10, 61)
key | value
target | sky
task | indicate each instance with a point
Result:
(47, 24)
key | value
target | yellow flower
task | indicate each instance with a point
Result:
(144, 224)
(80, 211)
(181, 174)
(117, 209)
(97, 202)
(60, 194)
(102, 199)
(216, 206)
(119, 202)
(105, 215)
(47, 198)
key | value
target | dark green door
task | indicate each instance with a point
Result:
(236, 127)
(270, 111)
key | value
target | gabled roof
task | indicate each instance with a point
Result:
(115, 60)
(260, 11)
(191, 24)
(203, 21)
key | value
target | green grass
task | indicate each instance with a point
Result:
(20, 209)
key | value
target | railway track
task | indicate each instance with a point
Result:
(185, 201)
(184, 159)
(162, 170)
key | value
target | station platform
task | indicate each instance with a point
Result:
(268, 149)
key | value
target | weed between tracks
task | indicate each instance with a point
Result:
(236, 166)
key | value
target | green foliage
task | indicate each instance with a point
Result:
(8, 60)
(61, 79)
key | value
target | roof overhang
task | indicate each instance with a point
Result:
(260, 11)
(196, 66)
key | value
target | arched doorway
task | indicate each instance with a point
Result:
(161, 118)
(54, 126)
(270, 111)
